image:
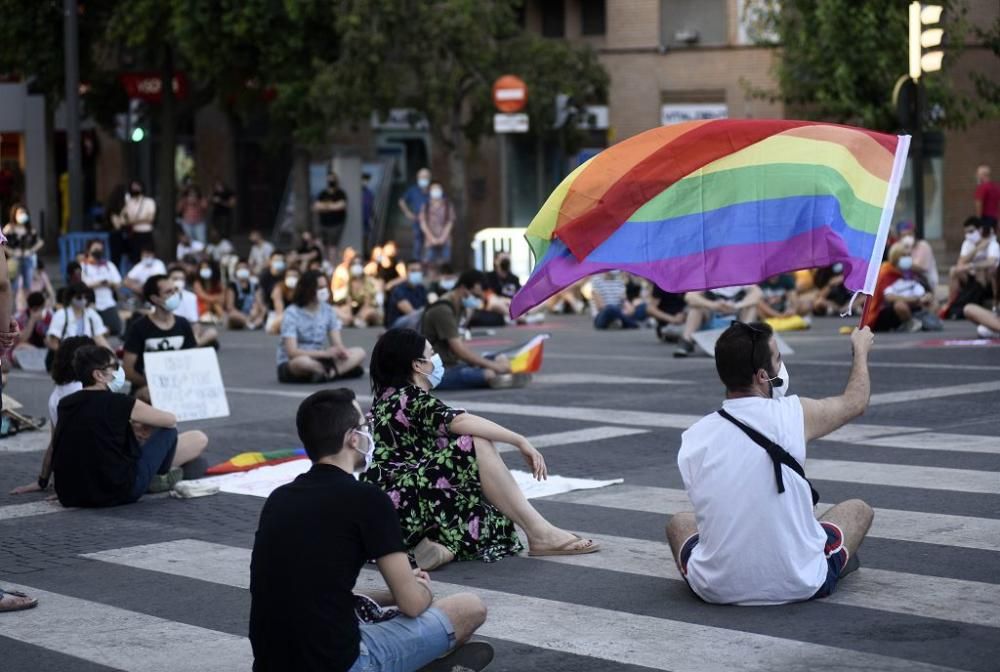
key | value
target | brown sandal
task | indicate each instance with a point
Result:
(12, 600)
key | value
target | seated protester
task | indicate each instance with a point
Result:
(455, 497)
(360, 308)
(464, 368)
(971, 279)
(670, 311)
(96, 458)
(832, 297)
(343, 273)
(244, 306)
(753, 538)
(780, 298)
(922, 253)
(205, 335)
(612, 304)
(717, 309)
(261, 254)
(66, 382)
(74, 275)
(271, 276)
(987, 321)
(103, 278)
(159, 331)
(190, 252)
(210, 292)
(219, 247)
(385, 267)
(444, 282)
(314, 536)
(34, 324)
(308, 251)
(147, 267)
(76, 319)
(311, 348)
(501, 285)
(280, 299)
(406, 301)
(905, 298)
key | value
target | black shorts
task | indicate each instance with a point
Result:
(331, 234)
(285, 374)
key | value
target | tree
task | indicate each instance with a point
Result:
(841, 59)
(441, 59)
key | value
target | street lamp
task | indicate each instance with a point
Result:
(921, 62)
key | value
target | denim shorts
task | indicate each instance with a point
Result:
(834, 550)
(403, 643)
(155, 457)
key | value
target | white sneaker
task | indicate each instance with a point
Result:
(986, 332)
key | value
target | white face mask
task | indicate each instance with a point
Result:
(291, 281)
(779, 391)
(22, 218)
(423, 182)
(323, 295)
(973, 237)
(118, 381)
(905, 263)
(172, 303)
(909, 241)
(243, 273)
(205, 273)
(436, 193)
(370, 453)
(357, 270)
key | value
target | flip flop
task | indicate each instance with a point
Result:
(470, 657)
(565, 549)
(20, 603)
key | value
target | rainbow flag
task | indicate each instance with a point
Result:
(709, 204)
(527, 358)
(248, 461)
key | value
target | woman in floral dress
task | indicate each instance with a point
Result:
(455, 497)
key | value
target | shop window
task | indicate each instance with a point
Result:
(693, 23)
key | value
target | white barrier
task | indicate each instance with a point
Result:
(488, 242)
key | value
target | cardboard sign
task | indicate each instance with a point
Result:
(187, 383)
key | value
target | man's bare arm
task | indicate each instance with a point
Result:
(823, 416)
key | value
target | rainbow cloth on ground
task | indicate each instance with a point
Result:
(709, 204)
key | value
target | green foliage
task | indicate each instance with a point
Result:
(840, 60)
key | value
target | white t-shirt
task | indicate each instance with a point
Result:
(991, 251)
(90, 324)
(260, 257)
(144, 270)
(189, 306)
(93, 274)
(906, 288)
(139, 208)
(58, 393)
(755, 546)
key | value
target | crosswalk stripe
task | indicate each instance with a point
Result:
(958, 600)
(12, 511)
(926, 528)
(966, 443)
(617, 636)
(601, 379)
(905, 476)
(571, 437)
(122, 639)
(933, 393)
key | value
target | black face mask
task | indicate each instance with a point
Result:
(332, 184)
(97, 254)
(135, 192)
(505, 265)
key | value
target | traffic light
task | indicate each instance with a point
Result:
(132, 125)
(925, 61)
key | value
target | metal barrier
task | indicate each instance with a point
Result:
(72, 244)
(488, 242)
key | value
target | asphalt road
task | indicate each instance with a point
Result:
(161, 585)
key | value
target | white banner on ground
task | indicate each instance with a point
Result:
(187, 383)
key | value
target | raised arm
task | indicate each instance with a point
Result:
(823, 416)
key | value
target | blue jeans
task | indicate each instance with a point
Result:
(463, 377)
(196, 230)
(404, 644)
(438, 253)
(25, 267)
(609, 314)
(418, 240)
(155, 457)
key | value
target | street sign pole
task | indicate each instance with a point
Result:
(510, 95)
(74, 154)
(918, 158)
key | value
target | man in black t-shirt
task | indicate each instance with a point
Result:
(314, 536)
(97, 459)
(331, 206)
(159, 331)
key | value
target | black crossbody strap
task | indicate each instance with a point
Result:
(779, 456)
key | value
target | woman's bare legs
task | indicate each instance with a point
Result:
(502, 492)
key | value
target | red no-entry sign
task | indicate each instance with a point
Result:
(510, 94)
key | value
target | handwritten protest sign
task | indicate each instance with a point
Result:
(187, 383)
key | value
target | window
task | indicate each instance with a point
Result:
(692, 23)
(553, 18)
(592, 14)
